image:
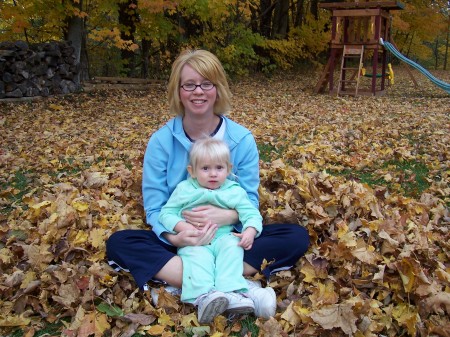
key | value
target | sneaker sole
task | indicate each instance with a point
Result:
(240, 310)
(213, 309)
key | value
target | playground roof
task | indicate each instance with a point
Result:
(362, 4)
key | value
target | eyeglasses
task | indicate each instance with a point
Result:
(205, 86)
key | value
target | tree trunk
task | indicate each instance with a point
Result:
(84, 57)
(436, 53)
(146, 44)
(254, 19)
(280, 25)
(299, 13)
(266, 17)
(447, 45)
(410, 44)
(315, 9)
(74, 34)
(127, 21)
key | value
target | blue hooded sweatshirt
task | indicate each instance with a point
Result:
(167, 157)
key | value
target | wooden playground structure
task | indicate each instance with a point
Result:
(356, 29)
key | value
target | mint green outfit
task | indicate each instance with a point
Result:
(219, 265)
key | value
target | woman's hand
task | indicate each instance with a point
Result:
(193, 237)
(202, 215)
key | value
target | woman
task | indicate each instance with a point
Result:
(198, 93)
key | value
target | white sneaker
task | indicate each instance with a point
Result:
(238, 303)
(211, 305)
(265, 299)
(171, 290)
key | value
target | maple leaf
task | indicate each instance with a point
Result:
(12, 320)
(439, 303)
(270, 328)
(324, 294)
(166, 300)
(290, 315)
(336, 316)
(95, 179)
(407, 316)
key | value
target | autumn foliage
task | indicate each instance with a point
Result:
(141, 38)
(378, 264)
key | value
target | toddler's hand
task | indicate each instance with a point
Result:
(247, 237)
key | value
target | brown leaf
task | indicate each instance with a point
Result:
(336, 316)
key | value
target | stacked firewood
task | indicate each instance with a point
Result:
(37, 70)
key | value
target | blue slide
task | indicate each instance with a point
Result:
(441, 84)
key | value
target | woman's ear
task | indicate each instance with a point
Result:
(190, 171)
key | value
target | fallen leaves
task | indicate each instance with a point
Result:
(378, 264)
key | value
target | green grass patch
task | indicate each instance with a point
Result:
(407, 177)
(414, 176)
(268, 152)
(366, 176)
(249, 327)
(20, 185)
(50, 329)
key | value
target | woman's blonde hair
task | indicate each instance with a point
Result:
(207, 65)
(209, 148)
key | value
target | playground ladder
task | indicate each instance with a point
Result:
(349, 53)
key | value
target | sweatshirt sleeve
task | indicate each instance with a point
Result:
(249, 215)
(245, 160)
(170, 212)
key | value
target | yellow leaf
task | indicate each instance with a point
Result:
(324, 294)
(290, 315)
(11, 321)
(348, 239)
(101, 324)
(29, 277)
(303, 313)
(80, 239)
(156, 329)
(55, 107)
(102, 222)
(406, 315)
(5, 255)
(80, 205)
(309, 272)
(342, 229)
(97, 237)
(189, 320)
(164, 319)
(217, 334)
(406, 271)
(41, 204)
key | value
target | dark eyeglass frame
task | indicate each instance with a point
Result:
(195, 86)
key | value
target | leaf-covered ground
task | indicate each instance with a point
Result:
(368, 177)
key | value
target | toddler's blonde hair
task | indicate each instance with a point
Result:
(210, 148)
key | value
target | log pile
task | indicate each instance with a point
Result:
(37, 70)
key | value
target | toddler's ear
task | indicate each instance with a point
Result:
(190, 171)
(230, 167)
